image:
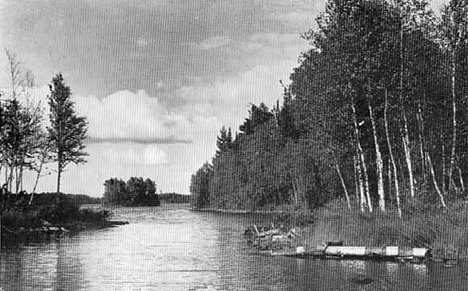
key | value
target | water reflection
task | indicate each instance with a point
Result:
(175, 249)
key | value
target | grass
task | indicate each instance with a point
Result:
(421, 225)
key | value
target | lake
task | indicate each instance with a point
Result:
(173, 248)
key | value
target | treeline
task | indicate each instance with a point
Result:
(375, 113)
(174, 198)
(26, 143)
(135, 192)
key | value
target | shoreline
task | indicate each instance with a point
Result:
(43, 233)
(239, 211)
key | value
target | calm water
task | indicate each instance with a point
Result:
(176, 249)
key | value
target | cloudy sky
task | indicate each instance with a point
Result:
(156, 78)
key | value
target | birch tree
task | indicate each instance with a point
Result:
(454, 33)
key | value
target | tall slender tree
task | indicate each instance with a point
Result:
(454, 33)
(67, 130)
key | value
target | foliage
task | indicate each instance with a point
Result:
(68, 130)
(22, 136)
(174, 198)
(366, 57)
(136, 192)
(199, 187)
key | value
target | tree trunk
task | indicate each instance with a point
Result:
(361, 157)
(454, 120)
(16, 180)
(294, 191)
(460, 177)
(59, 174)
(37, 179)
(10, 180)
(405, 135)
(360, 183)
(390, 181)
(421, 144)
(378, 159)
(392, 158)
(356, 179)
(444, 171)
(436, 186)
(337, 167)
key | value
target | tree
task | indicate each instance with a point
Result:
(200, 186)
(115, 191)
(67, 131)
(454, 34)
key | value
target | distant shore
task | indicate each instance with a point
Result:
(236, 211)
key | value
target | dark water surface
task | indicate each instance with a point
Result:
(175, 249)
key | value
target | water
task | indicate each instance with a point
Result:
(176, 249)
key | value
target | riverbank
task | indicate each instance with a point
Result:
(48, 215)
(421, 226)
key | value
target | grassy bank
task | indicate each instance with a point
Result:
(46, 214)
(422, 225)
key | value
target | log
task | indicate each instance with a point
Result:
(386, 252)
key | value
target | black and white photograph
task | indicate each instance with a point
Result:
(233, 145)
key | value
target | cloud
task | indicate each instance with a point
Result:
(125, 115)
(170, 140)
(141, 42)
(214, 42)
(296, 19)
(273, 56)
(135, 154)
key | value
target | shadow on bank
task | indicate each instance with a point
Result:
(47, 216)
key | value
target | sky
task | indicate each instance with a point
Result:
(156, 79)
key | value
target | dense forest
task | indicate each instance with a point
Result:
(376, 114)
(135, 192)
(174, 198)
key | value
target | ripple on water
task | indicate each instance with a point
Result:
(176, 249)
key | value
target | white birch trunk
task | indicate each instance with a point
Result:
(436, 186)
(378, 159)
(405, 136)
(360, 183)
(454, 119)
(392, 158)
(361, 158)
(337, 167)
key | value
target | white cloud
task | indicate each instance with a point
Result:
(126, 115)
(300, 19)
(141, 42)
(135, 154)
(228, 98)
(214, 42)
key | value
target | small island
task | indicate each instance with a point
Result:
(134, 192)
